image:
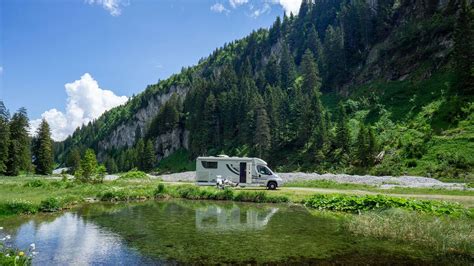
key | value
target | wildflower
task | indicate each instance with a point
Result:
(21, 253)
(1, 228)
(3, 239)
(33, 246)
(8, 237)
(7, 255)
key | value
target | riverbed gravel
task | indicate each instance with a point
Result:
(380, 181)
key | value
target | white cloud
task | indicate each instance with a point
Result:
(259, 11)
(290, 6)
(86, 101)
(114, 7)
(236, 3)
(218, 8)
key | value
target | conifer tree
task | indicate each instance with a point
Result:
(464, 48)
(149, 156)
(43, 150)
(4, 138)
(88, 167)
(73, 160)
(342, 131)
(19, 156)
(111, 165)
(287, 67)
(262, 138)
(362, 153)
(311, 78)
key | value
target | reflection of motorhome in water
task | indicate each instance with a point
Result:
(220, 218)
(246, 171)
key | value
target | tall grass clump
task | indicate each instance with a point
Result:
(50, 205)
(17, 207)
(134, 174)
(443, 234)
(355, 204)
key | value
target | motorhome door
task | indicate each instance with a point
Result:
(243, 173)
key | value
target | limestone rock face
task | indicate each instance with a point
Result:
(166, 144)
(126, 133)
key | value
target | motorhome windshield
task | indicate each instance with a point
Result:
(264, 170)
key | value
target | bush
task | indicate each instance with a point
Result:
(50, 205)
(134, 174)
(159, 191)
(17, 207)
(355, 204)
(36, 183)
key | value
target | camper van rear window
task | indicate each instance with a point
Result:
(206, 164)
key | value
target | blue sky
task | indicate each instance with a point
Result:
(124, 45)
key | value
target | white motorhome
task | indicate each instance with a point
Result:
(245, 171)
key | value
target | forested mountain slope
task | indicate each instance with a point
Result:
(378, 86)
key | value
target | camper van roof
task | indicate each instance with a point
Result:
(232, 158)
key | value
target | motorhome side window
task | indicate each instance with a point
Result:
(207, 164)
(263, 170)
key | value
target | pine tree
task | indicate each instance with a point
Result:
(149, 156)
(342, 131)
(19, 157)
(43, 150)
(73, 160)
(362, 146)
(311, 79)
(272, 72)
(464, 48)
(371, 146)
(111, 165)
(4, 138)
(139, 154)
(262, 138)
(287, 67)
(88, 166)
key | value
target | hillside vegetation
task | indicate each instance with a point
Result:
(382, 87)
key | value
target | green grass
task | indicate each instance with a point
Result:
(445, 235)
(134, 174)
(329, 184)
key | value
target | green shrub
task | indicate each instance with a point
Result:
(354, 204)
(17, 207)
(36, 183)
(134, 174)
(160, 190)
(50, 205)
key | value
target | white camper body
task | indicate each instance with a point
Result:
(245, 171)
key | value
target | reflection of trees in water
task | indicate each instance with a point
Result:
(217, 218)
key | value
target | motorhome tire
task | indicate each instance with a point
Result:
(272, 185)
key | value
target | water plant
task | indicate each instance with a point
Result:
(356, 204)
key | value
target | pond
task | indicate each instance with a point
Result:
(181, 231)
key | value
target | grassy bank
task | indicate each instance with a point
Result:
(394, 190)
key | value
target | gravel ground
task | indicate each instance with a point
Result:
(381, 181)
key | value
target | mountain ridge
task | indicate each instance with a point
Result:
(410, 42)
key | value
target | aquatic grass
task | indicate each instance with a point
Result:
(356, 204)
(441, 233)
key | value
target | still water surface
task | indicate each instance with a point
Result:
(180, 231)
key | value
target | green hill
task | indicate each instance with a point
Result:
(381, 87)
